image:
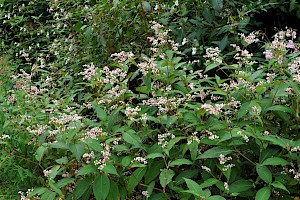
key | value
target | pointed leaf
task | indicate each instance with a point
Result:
(215, 152)
(101, 187)
(263, 194)
(264, 173)
(180, 162)
(275, 161)
(279, 185)
(165, 177)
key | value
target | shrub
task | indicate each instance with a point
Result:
(169, 120)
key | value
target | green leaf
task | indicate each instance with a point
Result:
(49, 195)
(279, 185)
(274, 139)
(133, 139)
(215, 152)
(263, 194)
(59, 145)
(264, 173)
(292, 5)
(154, 155)
(217, 5)
(77, 150)
(65, 181)
(209, 182)
(110, 169)
(153, 171)
(82, 187)
(63, 160)
(280, 108)
(275, 161)
(135, 178)
(216, 197)
(101, 113)
(194, 187)
(40, 152)
(38, 191)
(180, 162)
(113, 191)
(87, 169)
(146, 6)
(211, 66)
(54, 187)
(165, 177)
(240, 186)
(101, 187)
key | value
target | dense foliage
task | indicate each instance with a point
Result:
(148, 100)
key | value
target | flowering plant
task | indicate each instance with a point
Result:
(154, 124)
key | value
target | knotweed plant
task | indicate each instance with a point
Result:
(156, 124)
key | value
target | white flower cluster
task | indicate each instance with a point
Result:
(105, 154)
(164, 104)
(122, 56)
(245, 137)
(193, 137)
(147, 66)
(94, 133)
(213, 54)
(223, 159)
(2, 137)
(88, 157)
(213, 110)
(163, 139)
(132, 112)
(140, 160)
(89, 71)
(251, 38)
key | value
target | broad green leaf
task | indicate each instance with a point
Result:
(193, 186)
(63, 160)
(54, 187)
(87, 169)
(165, 177)
(240, 186)
(172, 142)
(110, 169)
(154, 155)
(264, 173)
(38, 191)
(133, 139)
(113, 191)
(49, 195)
(275, 161)
(82, 187)
(211, 66)
(276, 140)
(216, 197)
(101, 113)
(135, 178)
(153, 171)
(65, 181)
(217, 5)
(279, 185)
(40, 152)
(77, 150)
(59, 145)
(263, 194)
(215, 152)
(146, 6)
(180, 162)
(280, 108)
(209, 182)
(101, 187)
